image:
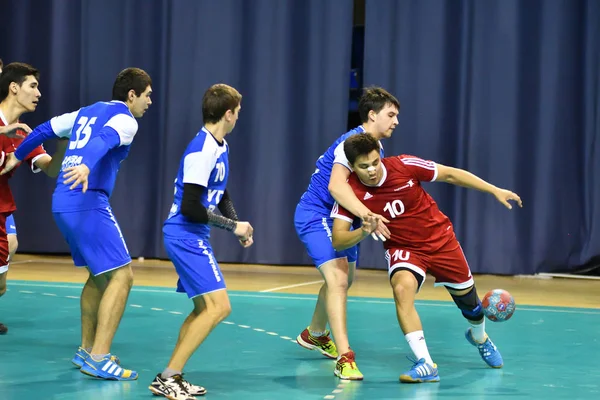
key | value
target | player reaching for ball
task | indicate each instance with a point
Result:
(422, 240)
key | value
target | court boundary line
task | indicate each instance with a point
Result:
(284, 296)
(291, 286)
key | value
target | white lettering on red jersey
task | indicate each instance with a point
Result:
(416, 222)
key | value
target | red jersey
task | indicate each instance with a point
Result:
(9, 145)
(416, 222)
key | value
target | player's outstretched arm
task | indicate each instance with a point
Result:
(60, 127)
(460, 177)
(344, 195)
(343, 238)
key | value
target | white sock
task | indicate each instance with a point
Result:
(317, 333)
(478, 331)
(416, 341)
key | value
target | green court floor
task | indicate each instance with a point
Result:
(549, 353)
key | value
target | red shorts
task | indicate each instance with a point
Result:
(448, 265)
(3, 243)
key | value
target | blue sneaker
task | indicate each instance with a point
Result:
(79, 357)
(107, 369)
(488, 351)
(82, 354)
(421, 372)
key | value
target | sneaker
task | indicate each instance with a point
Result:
(346, 368)
(323, 344)
(81, 355)
(107, 369)
(420, 372)
(487, 350)
(192, 389)
(172, 388)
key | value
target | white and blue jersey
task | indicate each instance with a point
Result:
(205, 163)
(312, 218)
(100, 136)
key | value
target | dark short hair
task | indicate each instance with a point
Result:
(135, 79)
(217, 100)
(374, 98)
(15, 72)
(358, 145)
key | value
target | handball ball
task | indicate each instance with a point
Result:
(498, 305)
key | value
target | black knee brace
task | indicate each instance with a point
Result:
(470, 305)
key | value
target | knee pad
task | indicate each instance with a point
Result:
(470, 305)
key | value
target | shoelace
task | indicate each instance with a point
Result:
(428, 368)
(180, 382)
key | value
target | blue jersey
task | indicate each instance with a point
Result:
(205, 162)
(100, 136)
(317, 195)
(115, 125)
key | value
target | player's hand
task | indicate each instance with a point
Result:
(11, 162)
(243, 230)
(370, 222)
(381, 232)
(504, 196)
(247, 243)
(12, 130)
(78, 175)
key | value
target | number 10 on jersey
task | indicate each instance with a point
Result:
(394, 208)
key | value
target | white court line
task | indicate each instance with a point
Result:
(291, 286)
(313, 298)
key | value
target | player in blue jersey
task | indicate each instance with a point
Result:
(378, 111)
(200, 188)
(100, 137)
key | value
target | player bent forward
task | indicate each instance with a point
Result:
(422, 240)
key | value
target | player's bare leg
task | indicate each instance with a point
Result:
(470, 305)
(3, 328)
(100, 363)
(112, 306)
(209, 310)
(319, 319)
(336, 274)
(90, 303)
(405, 286)
(13, 245)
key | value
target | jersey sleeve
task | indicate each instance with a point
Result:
(126, 127)
(340, 212)
(35, 155)
(339, 157)
(62, 125)
(197, 167)
(422, 170)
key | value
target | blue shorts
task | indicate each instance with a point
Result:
(94, 238)
(11, 228)
(314, 230)
(195, 263)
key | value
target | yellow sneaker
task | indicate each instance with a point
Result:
(346, 368)
(323, 344)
